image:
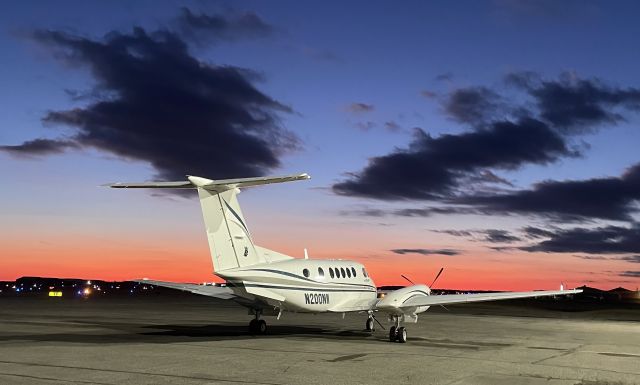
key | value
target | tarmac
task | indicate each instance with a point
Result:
(197, 340)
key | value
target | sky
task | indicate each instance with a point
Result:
(497, 139)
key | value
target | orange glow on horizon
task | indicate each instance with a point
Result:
(477, 270)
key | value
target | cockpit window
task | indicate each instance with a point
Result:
(364, 272)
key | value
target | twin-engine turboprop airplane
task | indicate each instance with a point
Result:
(269, 283)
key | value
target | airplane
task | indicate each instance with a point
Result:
(269, 283)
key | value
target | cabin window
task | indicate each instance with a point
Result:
(337, 273)
(320, 272)
(348, 273)
(353, 271)
(331, 272)
(305, 272)
(343, 273)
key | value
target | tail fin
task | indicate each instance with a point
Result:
(230, 242)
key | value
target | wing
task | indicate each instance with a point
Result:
(448, 299)
(209, 291)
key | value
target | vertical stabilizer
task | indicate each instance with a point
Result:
(229, 239)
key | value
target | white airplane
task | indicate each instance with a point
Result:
(269, 283)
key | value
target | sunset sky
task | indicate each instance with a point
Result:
(498, 139)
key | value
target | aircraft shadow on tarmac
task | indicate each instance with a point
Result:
(131, 333)
(159, 333)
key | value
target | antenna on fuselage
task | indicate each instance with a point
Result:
(306, 255)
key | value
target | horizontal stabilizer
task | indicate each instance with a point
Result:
(209, 291)
(213, 185)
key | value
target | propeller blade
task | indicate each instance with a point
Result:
(436, 278)
(410, 281)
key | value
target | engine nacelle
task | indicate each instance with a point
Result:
(392, 302)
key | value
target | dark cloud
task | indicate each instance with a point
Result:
(433, 168)
(508, 133)
(426, 251)
(536, 232)
(430, 211)
(628, 273)
(456, 233)
(487, 176)
(408, 212)
(487, 235)
(359, 108)
(606, 198)
(631, 258)
(499, 236)
(206, 29)
(364, 212)
(600, 240)
(592, 257)
(576, 105)
(473, 105)
(163, 106)
(39, 147)
(392, 126)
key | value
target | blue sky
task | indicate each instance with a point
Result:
(319, 59)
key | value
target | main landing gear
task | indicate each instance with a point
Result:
(397, 333)
(257, 325)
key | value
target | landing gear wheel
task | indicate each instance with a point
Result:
(262, 327)
(392, 334)
(370, 326)
(402, 335)
(253, 326)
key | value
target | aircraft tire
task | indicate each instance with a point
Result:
(253, 326)
(402, 335)
(261, 327)
(369, 325)
(392, 334)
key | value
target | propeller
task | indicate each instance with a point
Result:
(410, 281)
(434, 281)
(436, 278)
(430, 286)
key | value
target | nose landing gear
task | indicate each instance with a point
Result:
(397, 333)
(257, 325)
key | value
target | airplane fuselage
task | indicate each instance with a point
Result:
(305, 285)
